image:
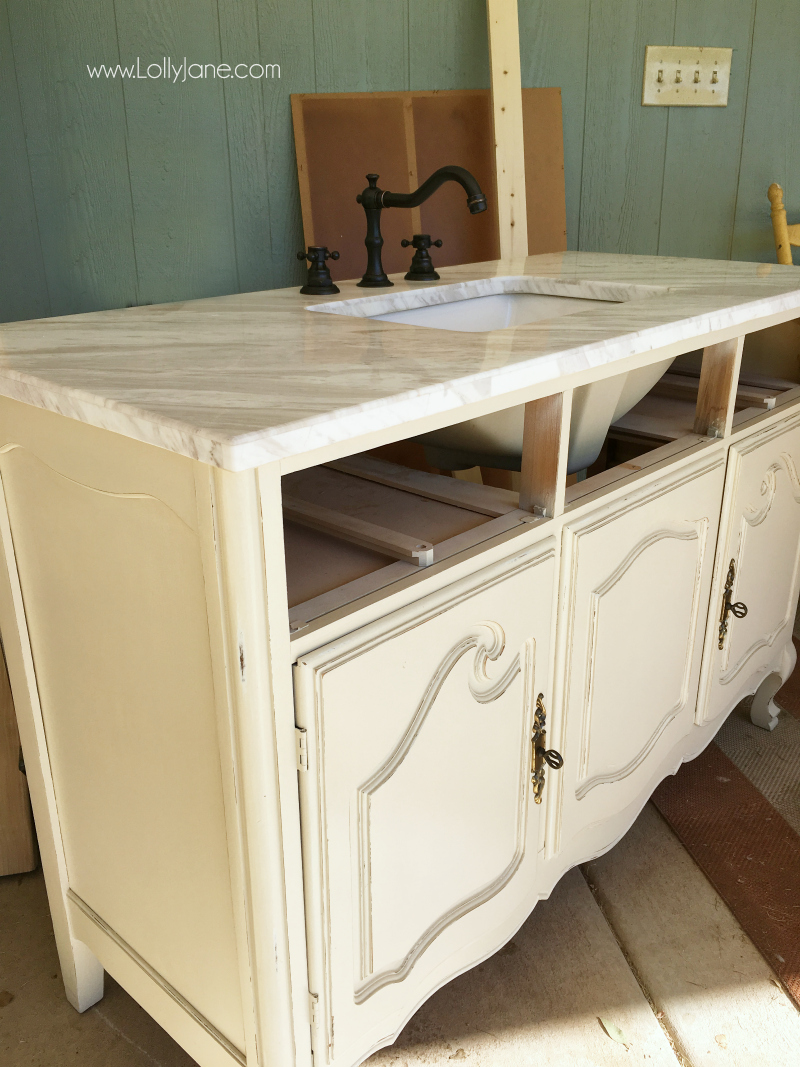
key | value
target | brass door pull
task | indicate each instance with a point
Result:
(551, 757)
(738, 609)
(539, 753)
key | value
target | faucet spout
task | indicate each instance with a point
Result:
(476, 200)
(374, 200)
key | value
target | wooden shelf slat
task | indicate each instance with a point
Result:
(360, 532)
(483, 499)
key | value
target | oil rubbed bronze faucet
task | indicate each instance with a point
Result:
(373, 200)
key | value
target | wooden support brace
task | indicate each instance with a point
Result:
(506, 76)
(716, 398)
(545, 446)
(461, 494)
(367, 534)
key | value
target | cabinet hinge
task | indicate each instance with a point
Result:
(301, 747)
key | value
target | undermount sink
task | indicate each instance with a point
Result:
(498, 311)
(496, 440)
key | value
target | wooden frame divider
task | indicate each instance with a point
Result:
(719, 378)
(545, 447)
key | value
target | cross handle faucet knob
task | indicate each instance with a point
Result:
(422, 241)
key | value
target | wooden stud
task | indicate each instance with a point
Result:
(545, 444)
(716, 398)
(17, 846)
(506, 75)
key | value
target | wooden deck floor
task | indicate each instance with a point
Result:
(633, 960)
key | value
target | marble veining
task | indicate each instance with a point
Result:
(238, 381)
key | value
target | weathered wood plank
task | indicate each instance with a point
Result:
(23, 293)
(771, 147)
(178, 154)
(554, 42)
(624, 143)
(704, 144)
(75, 131)
(721, 1004)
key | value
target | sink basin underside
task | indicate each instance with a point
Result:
(496, 440)
(498, 311)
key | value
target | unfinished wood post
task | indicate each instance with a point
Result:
(716, 396)
(17, 847)
(545, 444)
(506, 76)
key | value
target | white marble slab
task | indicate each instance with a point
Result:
(238, 381)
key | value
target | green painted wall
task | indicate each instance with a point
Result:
(670, 181)
(116, 192)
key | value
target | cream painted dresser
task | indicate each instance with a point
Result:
(284, 703)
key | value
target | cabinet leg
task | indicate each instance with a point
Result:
(83, 975)
(764, 711)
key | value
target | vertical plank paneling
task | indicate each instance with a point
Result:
(287, 31)
(554, 46)
(771, 145)
(624, 143)
(361, 46)
(448, 44)
(23, 286)
(704, 143)
(178, 154)
(115, 193)
(75, 132)
(247, 148)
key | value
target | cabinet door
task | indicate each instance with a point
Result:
(419, 834)
(761, 537)
(637, 576)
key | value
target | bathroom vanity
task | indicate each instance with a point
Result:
(292, 707)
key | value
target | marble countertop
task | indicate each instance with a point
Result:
(237, 381)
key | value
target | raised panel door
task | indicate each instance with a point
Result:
(760, 550)
(636, 580)
(419, 832)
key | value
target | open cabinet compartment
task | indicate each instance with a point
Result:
(369, 524)
(362, 524)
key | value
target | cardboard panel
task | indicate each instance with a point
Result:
(456, 128)
(404, 137)
(544, 170)
(346, 136)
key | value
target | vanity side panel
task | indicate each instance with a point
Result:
(107, 546)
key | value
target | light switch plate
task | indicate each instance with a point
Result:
(676, 76)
